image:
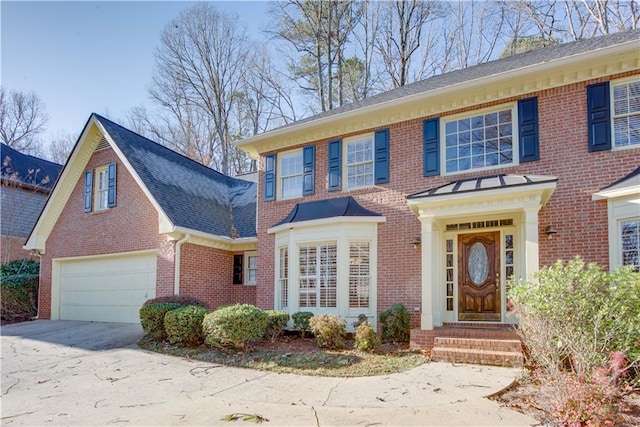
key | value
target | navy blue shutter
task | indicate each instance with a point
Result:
(237, 269)
(308, 174)
(88, 190)
(335, 165)
(270, 177)
(528, 129)
(111, 187)
(381, 165)
(599, 117)
(431, 146)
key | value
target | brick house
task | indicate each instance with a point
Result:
(26, 184)
(430, 195)
(130, 220)
(435, 193)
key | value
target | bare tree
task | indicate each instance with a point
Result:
(60, 147)
(400, 36)
(22, 120)
(199, 66)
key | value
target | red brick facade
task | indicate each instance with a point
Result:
(563, 136)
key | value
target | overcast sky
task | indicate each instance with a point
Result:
(82, 57)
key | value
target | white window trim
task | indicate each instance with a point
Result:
(343, 233)
(248, 281)
(345, 164)
(97, 192)
(513, 106)
(280, 176)
(613, 83)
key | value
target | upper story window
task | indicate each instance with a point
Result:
(100, 188)
(359, 161)
(480, 141)
(626, 113)
(294, 175)
(291, 170)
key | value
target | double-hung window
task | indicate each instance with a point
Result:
(251, 274)
(318, 276)
(359, 163)
(291, 175)
(626, 114)
(359, 275)
(480, 141)
(102, 188)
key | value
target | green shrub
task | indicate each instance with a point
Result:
(366, 338)
(152, 318)
(179, 299)
(395, 323)
(329, 331)
(184, 325)
(301, 321)
(20, 266)
(574, 316)
(19, 296)
(276, 322)
(234, 326)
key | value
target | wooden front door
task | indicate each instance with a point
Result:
(479, 277)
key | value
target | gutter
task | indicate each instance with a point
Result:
(176, 278)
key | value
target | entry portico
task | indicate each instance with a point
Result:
(475, 234)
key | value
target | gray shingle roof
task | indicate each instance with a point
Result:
(498, 66)
(191, 195)
(28, 170)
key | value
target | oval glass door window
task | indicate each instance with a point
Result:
(478, 266)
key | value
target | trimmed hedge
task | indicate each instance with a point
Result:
(152, 318)
(179, 299)
(276, 322)
(234, 326)
(301, 321)
(396, 324)
(183, 325)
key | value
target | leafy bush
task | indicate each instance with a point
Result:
(20, 266)
(19, 295)
(301, 321)
(179, 299)
(276, 322)
(152, 318)
(361, 319)
(329, 330)
(396, 323)
(573, 317)
(234, 326)
(366, 338)
(184, 325)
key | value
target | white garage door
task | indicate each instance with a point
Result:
(110, 289)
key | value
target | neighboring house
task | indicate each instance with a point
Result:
(26, 184)
(431, 195)
(436, 193)
(130, 220)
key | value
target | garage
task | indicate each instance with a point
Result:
(106, 289)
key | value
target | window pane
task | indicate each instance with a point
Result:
(626, 114)
(359, 280)
(318, 276)
(488, 144)
(359, 166)
(630, 242)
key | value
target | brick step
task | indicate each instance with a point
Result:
(479, 357)
(505, 345)
(477, 333)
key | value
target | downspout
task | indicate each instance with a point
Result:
(176, 279)
(37, 253)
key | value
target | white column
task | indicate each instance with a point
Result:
(531, 255)
(428, 272)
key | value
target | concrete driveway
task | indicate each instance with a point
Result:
(86, 374)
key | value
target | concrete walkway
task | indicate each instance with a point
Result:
(86, 374)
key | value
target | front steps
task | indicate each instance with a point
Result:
(478, 344)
